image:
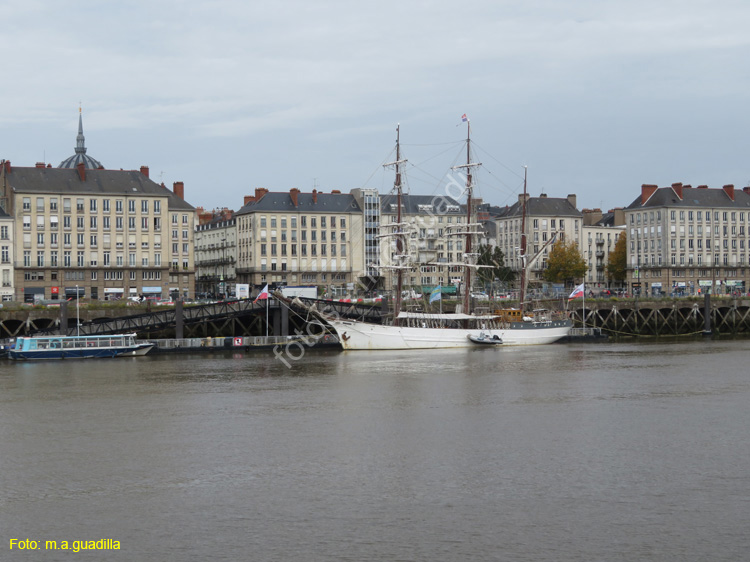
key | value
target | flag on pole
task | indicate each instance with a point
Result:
(464, 119)
(577, 292)
(436, 294)
(262, 295)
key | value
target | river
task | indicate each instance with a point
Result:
(571, 452)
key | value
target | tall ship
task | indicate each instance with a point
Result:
(418, 330)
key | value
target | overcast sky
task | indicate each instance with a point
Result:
(595, 97)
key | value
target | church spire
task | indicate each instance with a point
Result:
(80, 156)
(80, 139)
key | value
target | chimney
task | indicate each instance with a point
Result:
(260, 192)
(315, 196)
(81, 171)
(520, 198)
(591, 216)
(619, 216)
(178, 188)
(248, 199)
(6, 165)
(335, 191)
(746, 190)
(677, 187)
(144, 170)
(40, 165)
(572, 199)
(702, 187)
(294, 194)
(729, 190)
(647, 191)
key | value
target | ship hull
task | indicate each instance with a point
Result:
(355, 335)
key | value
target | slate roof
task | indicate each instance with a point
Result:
(693, 197)
(282, 202)
(65, 181)
(608, 219)
(538, 206)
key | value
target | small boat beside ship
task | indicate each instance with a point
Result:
(78, 347)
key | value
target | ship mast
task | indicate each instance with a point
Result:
(469, 225)
(522, 293)
(397, 185)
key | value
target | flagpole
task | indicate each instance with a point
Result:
(267, 299)
(583, 315)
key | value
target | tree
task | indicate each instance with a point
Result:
(495, 258)
(618, 259)
(565, 263)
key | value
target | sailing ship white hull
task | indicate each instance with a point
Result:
(355, 335)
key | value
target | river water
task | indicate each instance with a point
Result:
(569, 452)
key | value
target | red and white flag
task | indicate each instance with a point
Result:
(262, 295)
(577, 292)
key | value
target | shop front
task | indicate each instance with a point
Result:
(74, 293)
(735, 287)
(33, 294)
(113, 293)
(154, 292)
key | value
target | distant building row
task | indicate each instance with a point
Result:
(108, 234)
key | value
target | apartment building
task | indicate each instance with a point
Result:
(103, 234)
(548, 219)
(600, 234)
(215, 253)
(7, 252)
(689, 240)
(435, 240)
(294, 238)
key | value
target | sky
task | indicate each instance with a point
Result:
(595, 97)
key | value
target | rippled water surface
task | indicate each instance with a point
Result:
(565, 452)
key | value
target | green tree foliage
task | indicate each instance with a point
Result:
(494, 257)
(618, 259)
(565, 263)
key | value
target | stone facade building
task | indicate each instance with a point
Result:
(689, 240)
(294, 238)
(104, 234)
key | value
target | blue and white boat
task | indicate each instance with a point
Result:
(78, 347)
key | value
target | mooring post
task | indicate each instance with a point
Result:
(707, 314)
(63, 318)
(179, 320)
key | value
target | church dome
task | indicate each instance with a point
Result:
(80, 157)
